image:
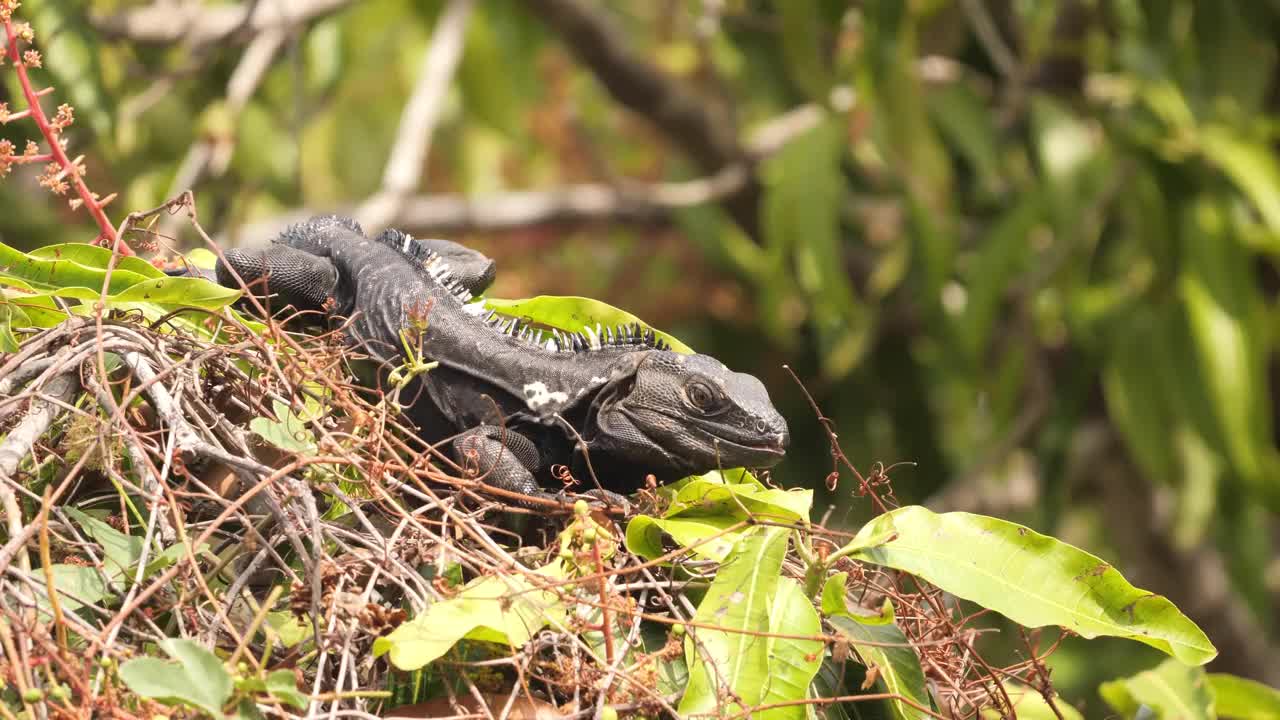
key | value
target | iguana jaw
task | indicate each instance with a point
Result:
(691, 414)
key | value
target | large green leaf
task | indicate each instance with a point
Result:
(703, 508)
(735, 659)
(1033, 579)
(1173, 690)
(805, 190)
(1251, 165)
(504, 609)
(95, 256)
(881, 644)
(1223, 308)
(1237, 697)
(793, 662)
(64, 275)
(198, 679)
(78, 585)
(702, 497)
(705, 536)
(801, 24)
(79, 272)
(573, 314)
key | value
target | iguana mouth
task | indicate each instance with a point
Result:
(761, 456)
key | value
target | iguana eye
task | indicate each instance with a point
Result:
(701, 396)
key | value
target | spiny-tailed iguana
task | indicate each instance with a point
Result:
(616, 398)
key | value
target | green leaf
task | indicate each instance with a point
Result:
(704, 498)
(793, 662)
(11, 316)
(283, 686)
(1172, 689)
(201, 258)
(62, 275)
(94, 256)
(198, 678)
(1223, 310)
(501, 609)
(120, 551)
(1237, 697)
(288, 628)
(484, 76)
(704, 536)
(573, 314)
(738, 601)
(289, 433)
(805, 189)
(965, 121)
(1003, 252)
(324, 53)
(78, 585)
(1033, 579)
(881, 644)
(1252, 166)
(184, 291)
(801, 27)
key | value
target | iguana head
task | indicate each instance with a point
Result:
(691, 414)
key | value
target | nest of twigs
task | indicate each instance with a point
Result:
(287, 518)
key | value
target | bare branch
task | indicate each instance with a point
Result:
(196, 25)
(418, 120)
(443, 214)
(687, 119)
(44, 410)
(213, 154)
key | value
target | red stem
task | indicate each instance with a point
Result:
(105, 228)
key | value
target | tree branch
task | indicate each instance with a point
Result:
(450, 213)
(688, 120)
(196, 25)
(408, 155)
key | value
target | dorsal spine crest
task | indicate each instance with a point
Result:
(586, 340)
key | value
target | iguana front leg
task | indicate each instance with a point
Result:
(502, 458)
(506, 459)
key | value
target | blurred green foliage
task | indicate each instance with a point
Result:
(1030, 246)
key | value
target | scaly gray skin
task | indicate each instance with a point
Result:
(615, 404)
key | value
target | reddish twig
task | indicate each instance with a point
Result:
(66, 167)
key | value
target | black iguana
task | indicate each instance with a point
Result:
(637, 407)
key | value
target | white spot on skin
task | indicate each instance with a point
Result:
(536, 395)
(475, 308)
(598, 380)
